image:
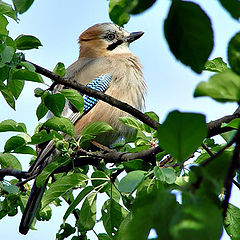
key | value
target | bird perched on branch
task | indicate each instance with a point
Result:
(106, 64)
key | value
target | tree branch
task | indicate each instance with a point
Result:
(93, 158)
(214, 127)
(13, 172)
(99, 95)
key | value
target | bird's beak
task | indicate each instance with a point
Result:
(134, 36)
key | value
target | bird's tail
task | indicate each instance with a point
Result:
(31, 208)
(36, 194)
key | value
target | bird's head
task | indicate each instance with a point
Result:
(106, 39)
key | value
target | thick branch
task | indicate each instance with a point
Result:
(13, 172)
(93, 158)
(214, 127)
(89, 158)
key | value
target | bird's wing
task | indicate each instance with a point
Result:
(101, 84)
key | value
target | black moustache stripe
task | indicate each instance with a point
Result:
(114, 45)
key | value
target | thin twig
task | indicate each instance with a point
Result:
(26, 180)
(214, 156)
(236, 184)
(205, 147)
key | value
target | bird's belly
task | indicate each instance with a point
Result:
(106, 113)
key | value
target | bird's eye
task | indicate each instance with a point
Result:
(110, 36)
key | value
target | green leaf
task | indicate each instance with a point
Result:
(6, 53)
(44, 214)
(232, 222)
(8, 41)
(22, 6)
(87, 215)
(96, 128)
(16, 141)
(182, 133)
(113, 192)
(3, 25)
(55, 103)
(48, 170)
(165, 174)
(60, 69)
(75, 98)
(12, 126)
(119, 10)
(103, 236)
(25, 150)
(41, 110)
(77, 200)
(147, 212)
(155, 117)
(198, 219)
(15, 86)
(228, 136)
(61, 186)
(7, 10)
(112, 216)
(26, 42)
(137, 164)
(4, 73)
(222, 87)
(8, 160)
(131, 181)
(100, 181)
(234, 52)
(41, 137)
(190, 38)
(233, 124)
(28, 66)
(216, 65)
(11, 189)
(141, 6)
(24, 74)
(60, 124)
(131, 122)
(233, 7)
(7, 50)
(7, 94)
(65, 231)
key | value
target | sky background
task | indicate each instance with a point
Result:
(58, 24)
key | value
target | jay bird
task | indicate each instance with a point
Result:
(105, 64)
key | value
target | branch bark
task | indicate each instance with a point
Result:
(13, 172)
(89, 158)
(214, 127)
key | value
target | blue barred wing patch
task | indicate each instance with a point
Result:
(100, 84)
